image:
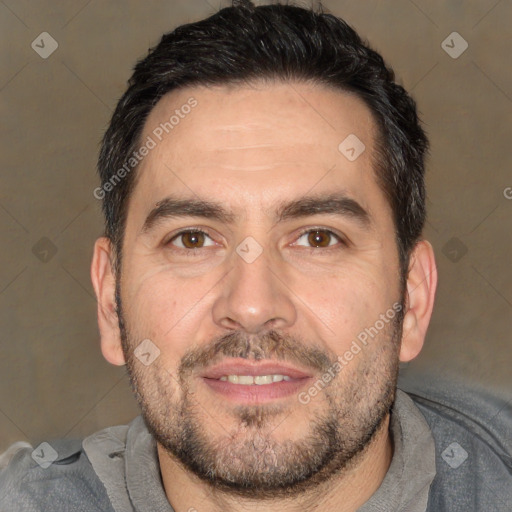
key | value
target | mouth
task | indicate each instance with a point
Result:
(242, 381)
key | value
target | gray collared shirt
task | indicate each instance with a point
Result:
(405, 487)
(444, 460)
(125, 459)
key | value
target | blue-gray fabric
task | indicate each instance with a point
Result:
(444, 460)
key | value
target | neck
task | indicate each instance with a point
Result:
(344, 492)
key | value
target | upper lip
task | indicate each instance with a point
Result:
(253, 368)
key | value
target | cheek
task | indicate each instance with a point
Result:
(166, 310)
(345, 305)
(149, 305)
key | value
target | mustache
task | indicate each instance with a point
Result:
(270, 345)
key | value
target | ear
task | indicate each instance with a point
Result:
(421, 289)
(103, 280)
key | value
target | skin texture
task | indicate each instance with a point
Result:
(251, 149)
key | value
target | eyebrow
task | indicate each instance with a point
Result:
(330, 204)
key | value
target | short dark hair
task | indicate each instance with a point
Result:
(244, 43)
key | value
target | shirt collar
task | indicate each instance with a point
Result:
(405, 487)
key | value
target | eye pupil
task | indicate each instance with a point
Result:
(315, 238)
(194, 237)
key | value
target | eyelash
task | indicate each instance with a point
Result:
(193, 252)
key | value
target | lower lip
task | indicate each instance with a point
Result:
(254, 393)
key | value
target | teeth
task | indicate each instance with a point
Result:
(263, 379)
(241, 379)
(258, 379)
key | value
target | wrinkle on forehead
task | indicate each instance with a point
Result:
(290, 134)
(217, 117)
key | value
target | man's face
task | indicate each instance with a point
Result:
(252, 293)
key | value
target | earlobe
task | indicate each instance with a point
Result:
(104, 283)
(421, 289)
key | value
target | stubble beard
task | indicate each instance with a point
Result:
(247, 460)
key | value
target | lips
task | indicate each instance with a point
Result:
(256, 368)
(244, 392)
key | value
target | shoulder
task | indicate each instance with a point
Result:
(54, 476)
(472, 434)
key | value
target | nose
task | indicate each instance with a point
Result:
(254, 297)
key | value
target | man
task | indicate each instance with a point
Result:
(262, 276)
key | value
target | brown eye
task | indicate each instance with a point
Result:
(320, 238)
(191, 239)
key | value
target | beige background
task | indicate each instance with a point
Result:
(53, 380)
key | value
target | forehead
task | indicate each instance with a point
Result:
(253, 145)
